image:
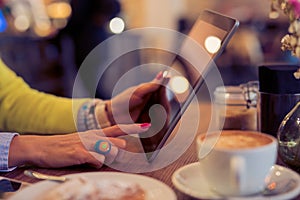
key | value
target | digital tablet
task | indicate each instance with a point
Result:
(212, 31)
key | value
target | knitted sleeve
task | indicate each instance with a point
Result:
(25, 110)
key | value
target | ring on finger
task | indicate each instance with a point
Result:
(102, 147)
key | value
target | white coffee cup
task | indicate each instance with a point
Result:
(239, 162)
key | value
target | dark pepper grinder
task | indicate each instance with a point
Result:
(279, 91)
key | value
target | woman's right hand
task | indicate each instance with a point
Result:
(70, 149)
(127, 106)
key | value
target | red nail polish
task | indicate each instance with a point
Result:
(159, 75)
(145, 125)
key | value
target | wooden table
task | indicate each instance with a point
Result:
(163, 175)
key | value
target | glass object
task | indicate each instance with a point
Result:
(279, 92)
(289, 138)
(236, 106)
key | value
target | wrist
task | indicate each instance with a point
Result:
(22, 151)
(87, 116)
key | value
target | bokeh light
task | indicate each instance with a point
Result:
(22, 23)
(179, 84)
(59, 10)
(117, 25)
(212, 44)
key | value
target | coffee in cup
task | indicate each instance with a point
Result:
(241, 140)
(236, 163)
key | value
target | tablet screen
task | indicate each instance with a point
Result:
(166, 106)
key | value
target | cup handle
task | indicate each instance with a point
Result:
(237, 173)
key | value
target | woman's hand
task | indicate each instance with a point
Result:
(126, 107)
(71, 149)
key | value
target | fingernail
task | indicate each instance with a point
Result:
(145, 125)
(159, 75)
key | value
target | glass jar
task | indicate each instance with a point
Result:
(236, 107)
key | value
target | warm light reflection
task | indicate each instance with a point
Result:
(22, 23)
(37, 18)
(165, 74)
(42, 30)
(44, 25)
(273, 15)
(272, 186)
(179, 84)
(212, 44)
(278, 173)
(59, 10)
(117, 25)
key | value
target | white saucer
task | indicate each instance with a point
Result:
(189, 180)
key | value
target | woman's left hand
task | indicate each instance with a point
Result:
(71, 149)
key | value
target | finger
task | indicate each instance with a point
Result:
(121, 143)
(109, 158)
(125, 129)
(96, 160)
(162, 78)
(146, 88)
(90, 144)
(121, 156)
(106, 133)
(107, 136)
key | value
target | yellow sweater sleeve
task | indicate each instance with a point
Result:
(25, 110)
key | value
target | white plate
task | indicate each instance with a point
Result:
(153, 188)
(189, 180)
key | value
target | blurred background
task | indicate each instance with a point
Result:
(46, 41)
